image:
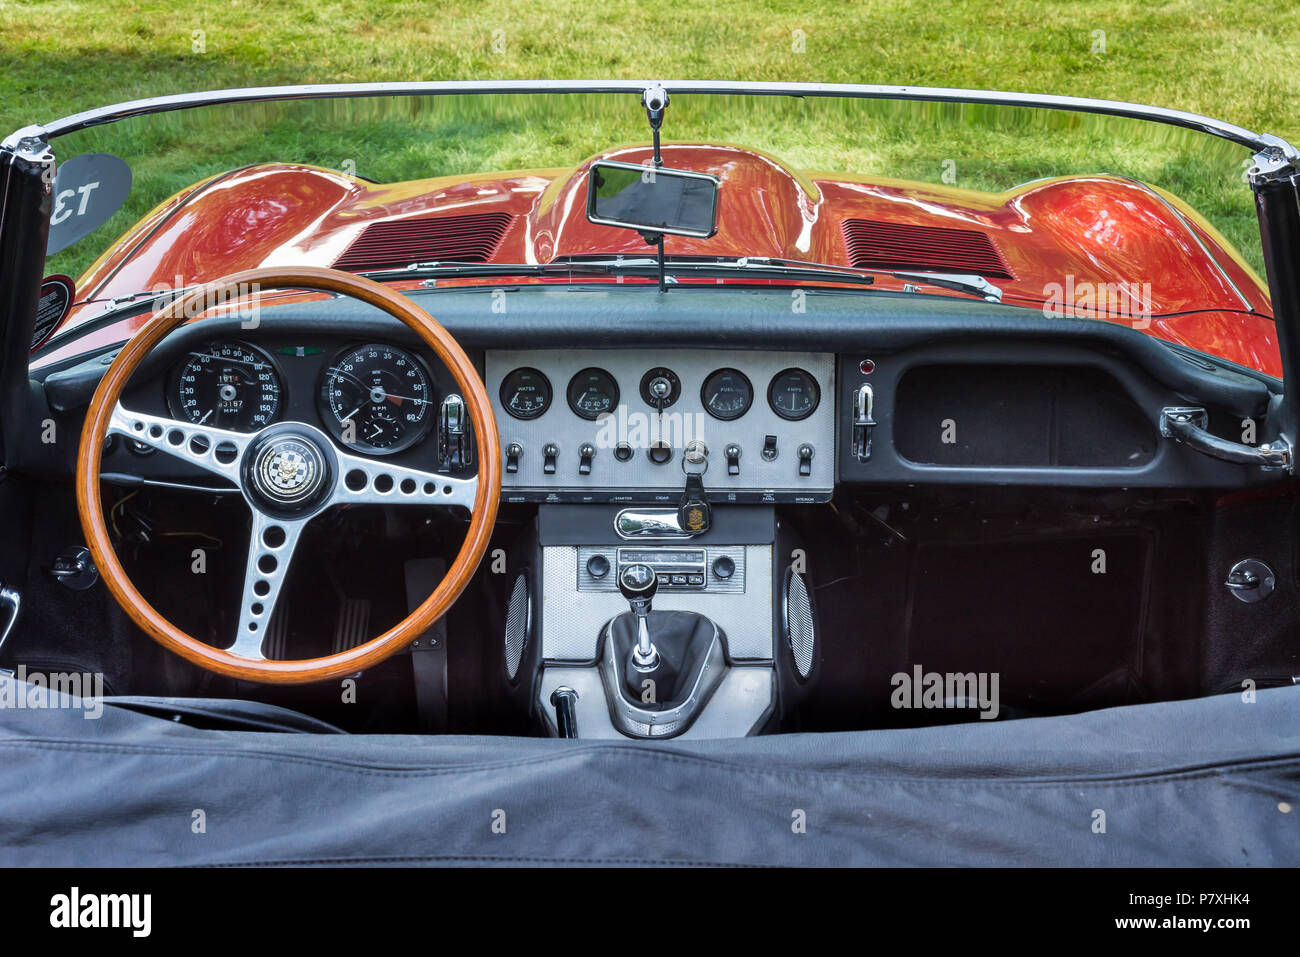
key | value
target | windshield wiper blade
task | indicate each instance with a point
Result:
(702, 267)
(960, 282)
(454, 268)
(645, 266)
(722, 267)
(157, 298)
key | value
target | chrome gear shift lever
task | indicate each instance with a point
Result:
(638, 583)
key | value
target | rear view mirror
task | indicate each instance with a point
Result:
(652, 200)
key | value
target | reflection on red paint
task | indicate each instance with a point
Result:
(1097, 230)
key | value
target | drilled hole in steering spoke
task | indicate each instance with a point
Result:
(199, 445)
(155, 431)
(267, 564)
(175, 437)
(355, 480)
(261, 588)
(407, 486)
(383, 484)
(226, 452)
(273, 537)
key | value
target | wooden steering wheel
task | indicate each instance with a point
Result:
(288, 473)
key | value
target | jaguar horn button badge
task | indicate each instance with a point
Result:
(289, 470)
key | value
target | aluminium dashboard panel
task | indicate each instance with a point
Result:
(634, 421)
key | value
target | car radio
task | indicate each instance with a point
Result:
(715, 568)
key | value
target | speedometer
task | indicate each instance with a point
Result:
(228, 385)
(376, 398)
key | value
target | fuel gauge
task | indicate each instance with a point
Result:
(727, 394)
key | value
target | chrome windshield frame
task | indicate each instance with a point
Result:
(1258, 142)
(1274, 176)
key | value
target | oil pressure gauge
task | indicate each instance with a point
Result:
(592, 393)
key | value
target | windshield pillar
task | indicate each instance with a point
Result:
(1277, 203)
(27, 173)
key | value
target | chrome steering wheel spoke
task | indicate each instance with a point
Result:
(217, 451)
(271, 545)
(284, 473)
(367, 481)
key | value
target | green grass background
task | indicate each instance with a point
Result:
(1230, 59)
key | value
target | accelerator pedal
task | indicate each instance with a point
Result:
(276, 644)
(352, 626)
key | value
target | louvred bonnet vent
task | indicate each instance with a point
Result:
(396, 243)
(876, 245)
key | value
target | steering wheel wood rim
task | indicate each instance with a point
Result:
(105, 413)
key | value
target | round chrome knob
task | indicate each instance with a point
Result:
(638, 581)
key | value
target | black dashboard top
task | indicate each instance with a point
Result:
(908, 340)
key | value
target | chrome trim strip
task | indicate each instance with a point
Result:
(1236, 290)
(166, 218)
(180, 101)
(12, 600)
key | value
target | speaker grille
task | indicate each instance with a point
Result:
(517, 621)
(799, 624)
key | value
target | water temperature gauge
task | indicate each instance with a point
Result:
(525, 393)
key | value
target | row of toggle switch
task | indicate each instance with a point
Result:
(660, 454)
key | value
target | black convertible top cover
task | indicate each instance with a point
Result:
(1204, 782)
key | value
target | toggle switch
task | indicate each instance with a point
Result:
(585, 455)
(550, 452)
(732, 452)
(805, 459)
(513, 451)
(769, 448)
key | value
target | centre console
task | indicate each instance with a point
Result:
(610, 633)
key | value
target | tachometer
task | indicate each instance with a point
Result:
(727, 394)
(377, 398)
(228, 385)
(793, 394)
(592, 393)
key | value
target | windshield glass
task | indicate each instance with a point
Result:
(1080, 215)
